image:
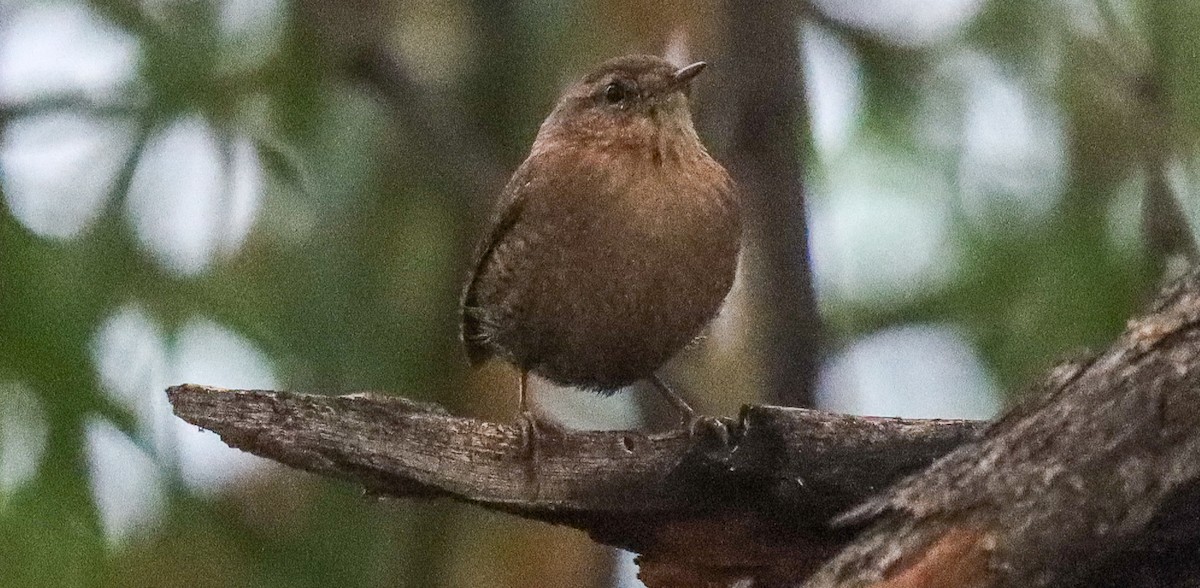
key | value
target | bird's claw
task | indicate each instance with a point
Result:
(530, 434)
(707, 426)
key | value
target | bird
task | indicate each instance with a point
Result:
(613, 245)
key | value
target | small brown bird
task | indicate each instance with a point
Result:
(614, 243)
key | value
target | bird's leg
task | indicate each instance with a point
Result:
(530, 438)
(528, 420)
(687, 416)
(524, 385)
(689, 420)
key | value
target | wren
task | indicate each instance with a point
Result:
(613, 245)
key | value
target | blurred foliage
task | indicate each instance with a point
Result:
(349, 279)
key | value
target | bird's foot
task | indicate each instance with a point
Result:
(531, 442)
(533, 431)
(689, 419)
(701, 426)
(533, 436)
(530, 434)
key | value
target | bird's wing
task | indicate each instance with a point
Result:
(507, 212)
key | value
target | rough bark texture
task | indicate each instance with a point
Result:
(761, 487)
(1093, 481)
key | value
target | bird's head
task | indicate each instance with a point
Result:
(632, 99)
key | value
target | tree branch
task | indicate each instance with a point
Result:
(776, 468)
(1093, 482)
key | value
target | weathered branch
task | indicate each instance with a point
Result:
(779, 469)
(1092, 483)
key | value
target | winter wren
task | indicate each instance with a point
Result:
(614, 243)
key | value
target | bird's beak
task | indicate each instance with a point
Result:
(685, 74)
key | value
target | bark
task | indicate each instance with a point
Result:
(753, 487)
(1093, 481)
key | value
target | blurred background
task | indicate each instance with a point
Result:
(284, 194)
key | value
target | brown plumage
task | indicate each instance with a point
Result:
(614, 243)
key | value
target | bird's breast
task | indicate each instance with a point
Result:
(637, 267)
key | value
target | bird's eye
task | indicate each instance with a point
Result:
(614, 93)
